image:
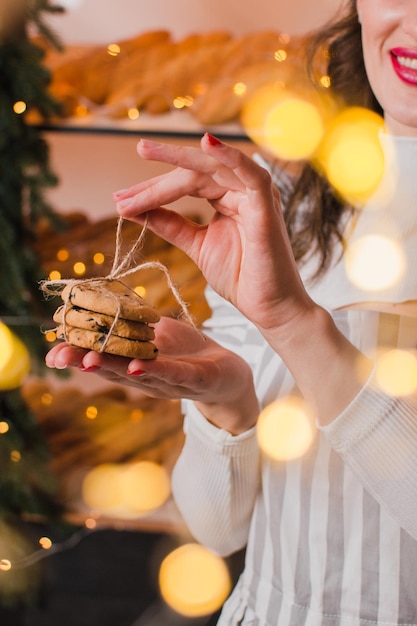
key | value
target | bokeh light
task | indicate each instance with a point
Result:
(45, 543)
(79, 268)
(126, 490)
(50, 336)
(293, 129)
(62, 255)
(286, 429)
(15, 581)
(193, 581)
(396, 372)
(113, 49)
(288, 125)
(14, 359)
(374, 262)
(98, 258)
(133, 113)
(19, 107)
(146, 486)
(140, 290)
(54, 275)
(351, 153)
(91, 412)
(102, 488)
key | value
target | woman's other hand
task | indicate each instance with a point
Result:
(189, 365)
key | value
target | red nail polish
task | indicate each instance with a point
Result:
(93, 368)
(213, 141)
(136, 373)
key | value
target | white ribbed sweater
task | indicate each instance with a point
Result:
(332, 537)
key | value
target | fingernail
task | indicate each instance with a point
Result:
(93, 368)
(213, 141)
(148, 143)
(118, 193)
(122, 204)
(135, 373)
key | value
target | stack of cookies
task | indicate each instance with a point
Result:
(107, 316)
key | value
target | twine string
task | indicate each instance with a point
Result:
(121, 268)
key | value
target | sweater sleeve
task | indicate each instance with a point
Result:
(217, 476)
(215, 482)
(376, 435)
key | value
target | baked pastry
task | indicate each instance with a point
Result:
(102, 323)
(107, 316)
(111, 344)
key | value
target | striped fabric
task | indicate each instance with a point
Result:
(321, 550)
(332, 537)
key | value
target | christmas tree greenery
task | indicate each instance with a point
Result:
(25, 174)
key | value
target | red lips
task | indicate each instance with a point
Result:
(404, 62)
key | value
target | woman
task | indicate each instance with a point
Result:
(331, 537)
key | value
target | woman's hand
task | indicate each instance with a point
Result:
(188, 366)
(243, 252)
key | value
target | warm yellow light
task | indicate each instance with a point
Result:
(62, 255)
(396, 372)
(351, 153)
(113, 49)
(256, 109)
(126, 490)
(182, 101)
(280, 55)
(293, 129)
(50, 336)
(19, 107)
(91, 412)
(285, 429)
(289, 126)
(79, 268)
(146, 486)
(98, 258)
(45, 543)
(14, 359)
(239, 89)
(325, 81)
(15, 548)
(102, 487)
(133, 113)
(4, 428)
(55, 275)
(90, 523)
(374, 262)
(140, 290)
(15, 456)
(193, 581)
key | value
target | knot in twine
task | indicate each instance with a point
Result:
(120, 269)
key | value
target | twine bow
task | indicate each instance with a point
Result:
(121, 268)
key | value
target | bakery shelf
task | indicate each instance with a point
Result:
(174, 124)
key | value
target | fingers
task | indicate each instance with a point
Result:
(188, 157)
(63, 355)
(197, 174)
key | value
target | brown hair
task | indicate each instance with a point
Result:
(313, 211)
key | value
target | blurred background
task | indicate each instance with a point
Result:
(89, 534)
